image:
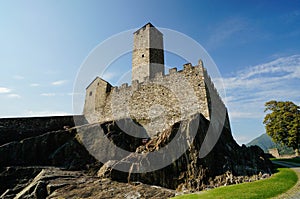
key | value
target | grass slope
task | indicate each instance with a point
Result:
(279, 183)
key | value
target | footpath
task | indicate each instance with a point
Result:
(294, 192)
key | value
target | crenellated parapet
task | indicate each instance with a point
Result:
(179, 94)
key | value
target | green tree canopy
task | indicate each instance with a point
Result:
(283, 123)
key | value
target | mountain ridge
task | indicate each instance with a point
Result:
(265, 142)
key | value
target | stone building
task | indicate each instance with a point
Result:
(155, 100)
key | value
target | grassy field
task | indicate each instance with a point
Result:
(279, 183)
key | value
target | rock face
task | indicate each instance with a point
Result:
(224, 165)
(25, 155)
(58, 148)
(16, 129)
(65, 163)
(53, 183)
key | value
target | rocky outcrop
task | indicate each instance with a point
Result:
(24, 165)
(227, 163)
(50, 182)
(14, 179)
(17, 129)
(69, 163)
(58, 148)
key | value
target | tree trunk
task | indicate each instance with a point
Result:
(297, 152)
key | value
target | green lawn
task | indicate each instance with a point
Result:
(279, 183)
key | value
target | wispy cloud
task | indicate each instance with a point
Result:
(109, 75)
(48, 94)
(45, 113)
(266, 75)
(247, 90)
(79, 94)
(18, 77)
(13, 95)
(59, 94)
(4, 90)
(34, 85)
(60, 82)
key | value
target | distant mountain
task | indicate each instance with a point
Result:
(265, 142)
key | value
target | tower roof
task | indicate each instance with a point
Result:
(97, 78)
(149, 25)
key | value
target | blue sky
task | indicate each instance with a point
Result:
(255, 44)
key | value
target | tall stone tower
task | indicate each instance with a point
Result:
(148, 53)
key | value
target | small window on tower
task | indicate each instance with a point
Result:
(142, 55)
(91, 93)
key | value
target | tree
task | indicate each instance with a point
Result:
(283, 123)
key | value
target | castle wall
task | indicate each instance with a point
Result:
(96, 94)
(156, 103)
(155, 100)
(217, 109)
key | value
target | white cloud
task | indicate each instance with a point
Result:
(18, 77)
(4, 90)
(108, 75)
(243, 115)
(281, 69)
(48, 94)
(13, 95)
(34, 85)
(80, 94)
(58, 94)
(31, 113)
(248, 90)
(60, 82)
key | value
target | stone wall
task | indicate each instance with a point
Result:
(274, 152)
(159, 102)
(148, 53)
(96, 94)
(218, 113)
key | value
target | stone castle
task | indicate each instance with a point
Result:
(155, 100)
(63, 156)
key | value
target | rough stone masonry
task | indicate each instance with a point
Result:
(155, 100)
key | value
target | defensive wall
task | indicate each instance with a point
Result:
(156, 103)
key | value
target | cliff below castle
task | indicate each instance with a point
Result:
(59, 163)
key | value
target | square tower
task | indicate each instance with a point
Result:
(148, 53)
